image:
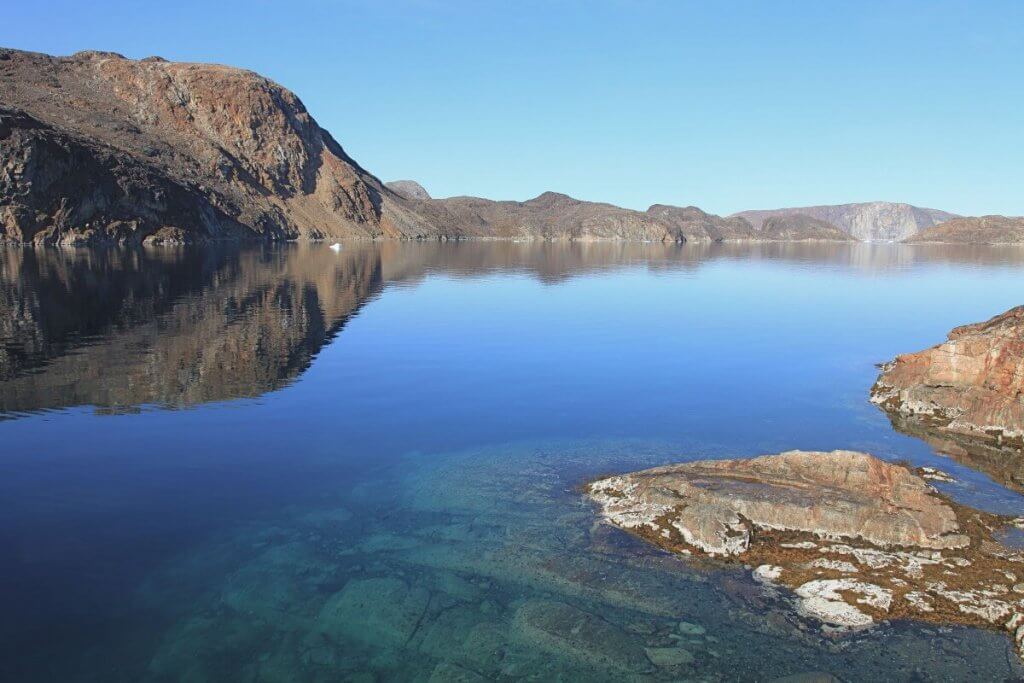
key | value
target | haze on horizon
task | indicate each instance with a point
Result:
(729, 106)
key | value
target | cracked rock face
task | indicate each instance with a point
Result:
(856, 538)
(969, 388)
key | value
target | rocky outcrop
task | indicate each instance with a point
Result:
(868, 221)
(409, 189)
(717, 505)
(856, 538)
(980, 230)
(969, 387)
(99, 148)
(801, 227)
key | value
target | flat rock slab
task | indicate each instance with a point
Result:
(855, 537)
(714, 504)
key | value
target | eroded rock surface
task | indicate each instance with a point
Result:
(969, 388)
(856, 538)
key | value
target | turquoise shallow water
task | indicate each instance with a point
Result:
(289, 464)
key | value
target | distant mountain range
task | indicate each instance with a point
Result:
(96, 148)
(868, 221)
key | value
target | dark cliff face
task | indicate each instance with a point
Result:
(61, 188)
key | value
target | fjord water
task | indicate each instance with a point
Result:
(294, 464)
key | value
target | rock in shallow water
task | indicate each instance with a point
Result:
(843, 494)
(906, 551)
(968, 387)
(378, 612)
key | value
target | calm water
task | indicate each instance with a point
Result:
(292, 464)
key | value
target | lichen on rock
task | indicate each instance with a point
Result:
(857, 538)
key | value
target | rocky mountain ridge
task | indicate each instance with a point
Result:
(98, 148)
(866, 221)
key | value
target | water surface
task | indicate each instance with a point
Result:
(287, 463)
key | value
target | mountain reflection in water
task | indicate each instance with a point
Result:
(176, 327)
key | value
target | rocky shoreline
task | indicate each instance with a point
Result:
(968, 388)
(857, 539)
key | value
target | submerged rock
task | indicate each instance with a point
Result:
(568, 632)
(379, 612)
(969, 388)
(857, 538)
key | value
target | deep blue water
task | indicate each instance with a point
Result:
(271, 464)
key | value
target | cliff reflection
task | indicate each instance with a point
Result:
(178, 327)
(169, 327)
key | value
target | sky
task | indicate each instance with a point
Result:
(723, 105)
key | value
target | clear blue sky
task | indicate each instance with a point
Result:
(726, 105)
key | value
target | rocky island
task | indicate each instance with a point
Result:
(856, 538)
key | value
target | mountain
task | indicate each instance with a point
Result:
(799, 227)
(557, 216)
(409, 189)
(868, 221)
(980, 230)
(95, 147)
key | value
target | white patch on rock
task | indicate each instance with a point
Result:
(822, 600)
(919, 601)
(768, 573)
(835, 565)
(936, 475)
